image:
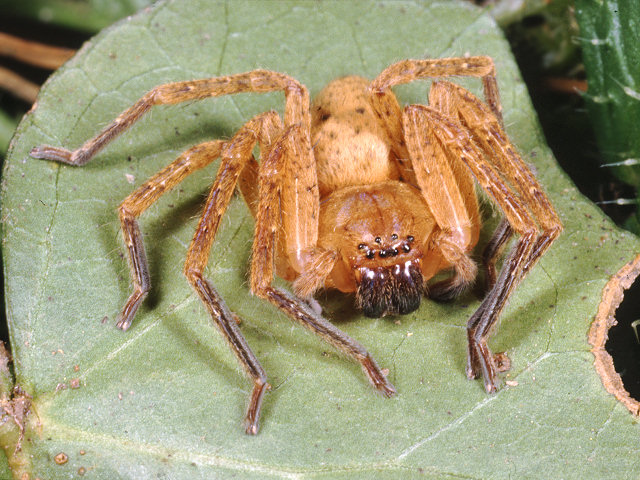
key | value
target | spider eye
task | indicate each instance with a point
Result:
(371, 254)
(394, 236)
(388, 252)
(361, 246)
(378, 240)
(406, 248)
(410, 238)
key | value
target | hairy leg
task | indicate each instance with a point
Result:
(451, 202)
(260, 81)
(386, 105)
(135, 204)
(493, 250)
(235, 156)
(499, 178)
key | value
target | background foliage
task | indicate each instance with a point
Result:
(609, 34)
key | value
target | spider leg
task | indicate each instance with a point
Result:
(248, 185)
(492, 140)
(514, 189)
(272, 173)
(135, 204)
(449, 189)
(465, 269)
(296, 107)
(493, 250)
(450, 194)
(386, 105)
(488, 133)
(298, 256)
(319, 264)
(388, 109)
(480, 359)
(235, 156)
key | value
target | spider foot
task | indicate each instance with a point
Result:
(123, 323)
(48, 152)
(491, 383)
(377, 377)
(481, 362)
(473, 370)
(490, 386)
(124, 319)
(252, 418)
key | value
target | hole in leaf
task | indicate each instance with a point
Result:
(603, 327)
(623, 344)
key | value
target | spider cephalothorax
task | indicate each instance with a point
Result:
(354, 193)
(380, 234)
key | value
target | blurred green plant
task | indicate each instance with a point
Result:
(84, 15)
(7, 126)
(609, 34)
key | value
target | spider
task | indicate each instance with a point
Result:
(353, 193)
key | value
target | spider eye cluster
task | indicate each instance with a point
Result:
(387, 251)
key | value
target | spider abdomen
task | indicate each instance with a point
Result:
(350, 145)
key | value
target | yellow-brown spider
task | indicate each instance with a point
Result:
(354, 193)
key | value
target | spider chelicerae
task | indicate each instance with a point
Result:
(355, 193)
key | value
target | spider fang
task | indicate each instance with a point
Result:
(395, 290)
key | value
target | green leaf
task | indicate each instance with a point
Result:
(167, 398)
(609, 34)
